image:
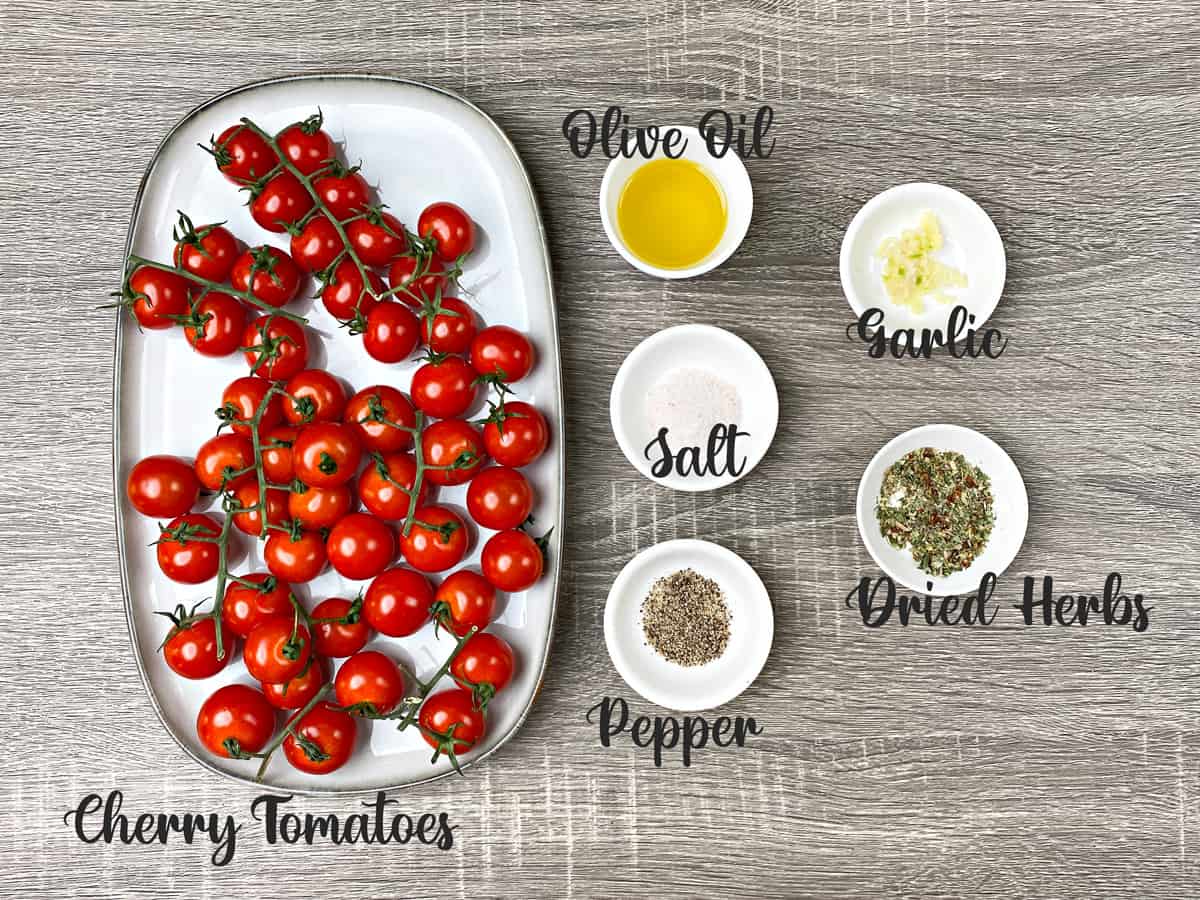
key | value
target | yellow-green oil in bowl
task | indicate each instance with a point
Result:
(671, 213)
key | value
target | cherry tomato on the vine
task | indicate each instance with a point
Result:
(248, 606)
(451, 228)
(237, 714)
(392, 332)
(296, 693)
(183, 553)
(384, 483)
(208, 251)
(215, 325)
(330, 731)
(371, 410)
(320, 507)
(306, 146)
(277, 650)
(360, 546)
(516, 434)
(281, 202)
(444, 388)
(157, 298)
(242, 155)
(162, 486)
(378, 238)
(397, 602)
(370, 678)
(344, 294)
(277, 347)
(242, 398)
(296, 560)
(499, 498)
(191, 650)
(250, 521)
(452, 442)
(464, 600)
(344, 192)
(437, 541)
(316, 244)
(220, 457)
(512, 561)
(338, 639)
(447, 325)
(276, 453)
(326, 454)
(417, 278)
(451, 723)
(485, 661)
(268, 274)
(503, 352)
(314, 396)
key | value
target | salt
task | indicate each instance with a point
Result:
(689, 402)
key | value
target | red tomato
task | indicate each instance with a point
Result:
(247, 495)
(326, 454)
(242, 399)
(242, 155)
(162, 486)
(360, 546)
(499, 498)
(216, 324)
(451, 723)
(279, 347)
(464, 600)
(338, 638)
(208, 251)
(276, 451)
(156, 297)
(484, 665)
(248, 606)
(447, 326)
(512, 561)
(298, 560)
(503, 352)
(235, 718)
(221, 456)
(268, 274)
(369, 412)
(444, 389)
(452, 442)
(314, 396)
(383, 484)
(344, 295)
(397, 602)
(378, 238)
(417, 279)
(191, 651)
(306, 146)
(392, 332)
(296, 693)
(437, 541)
(329, 732)
(277, 650)
(451, 228)
(515, 435)
(317, 507)
(281, 202)
(316, 244)
(344, 192)
(369, 680)
(183, 555)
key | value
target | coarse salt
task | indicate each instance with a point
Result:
(689, 402)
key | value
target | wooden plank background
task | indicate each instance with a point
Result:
(898, 762)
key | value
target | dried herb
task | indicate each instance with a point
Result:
(685, 619)
(939, 506)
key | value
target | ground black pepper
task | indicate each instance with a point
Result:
(685, 619)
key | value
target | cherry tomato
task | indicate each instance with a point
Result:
(452, 442)
(216, 324)
(512, 561)
(242, 155)
(314, 396)
(268, 274)
(421, 277)
(383, 483)
(392, 332)
(156, 297)
(248, 606)
(298, 560)
(464, 600)
(317, 507)
(219, 457)
(397, 602)
(499, 498)
(360, 546)
(296, 693)
(378, 238)
(244, 396)
(516, 435)
(249, 522)
(326, 454)
(191, 651)
(452, 229)
(331, 731)
(185, 557)
(279, 347)
(344, 192)
(236, 715)
(281, 202)
(338, 638)
(485, 661)
(369, 411)
(444, 389)
(503, 352)
(306, 146)
(370, 678)
(276, 450)
(208, 251)
(162, 486)
(437, 541)
(451, 723)
(447, 326)
(277, 650)
(316, 244)
(344, 295)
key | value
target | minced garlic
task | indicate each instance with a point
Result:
(910, 273)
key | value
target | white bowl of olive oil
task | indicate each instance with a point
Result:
(677, 217)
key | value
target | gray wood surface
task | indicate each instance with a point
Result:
(900, 762)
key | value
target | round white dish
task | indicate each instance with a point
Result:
(1011, 506)
(693, 347)
(971, 244)
(689, 688)
(730, 173)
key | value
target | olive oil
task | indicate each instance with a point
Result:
(671, 213)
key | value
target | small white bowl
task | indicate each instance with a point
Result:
(1010, 503)
(685, 347)
(971, 244)
(689, 688)
(729, 172)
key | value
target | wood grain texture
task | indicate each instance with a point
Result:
(899, 762)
